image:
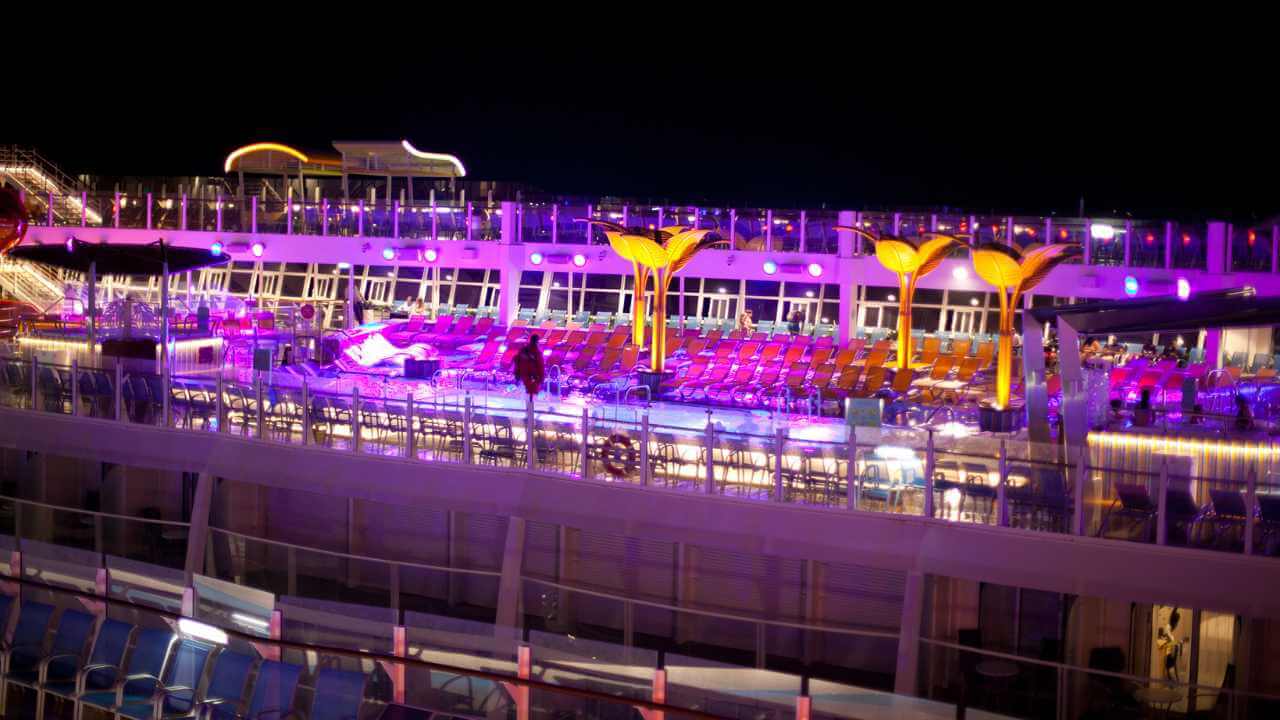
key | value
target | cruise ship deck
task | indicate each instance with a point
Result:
(270, 423)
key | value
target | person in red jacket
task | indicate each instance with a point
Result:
(529, 368)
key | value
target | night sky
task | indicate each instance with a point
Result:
(1133, 129)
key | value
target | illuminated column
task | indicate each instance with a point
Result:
(848, 283)
(351, 297)
(511, 267)
(1074, 402)
(1216, 242)
(1212, 344)
(1037, 392)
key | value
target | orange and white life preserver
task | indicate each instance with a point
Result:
(614, 445)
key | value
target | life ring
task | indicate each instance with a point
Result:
(618, 442)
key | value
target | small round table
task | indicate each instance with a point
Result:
(1158, 695)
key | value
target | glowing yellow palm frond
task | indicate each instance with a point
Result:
(673, 230)
(682, 247)
(897, 255)
(645, 251)
(1038, 262)
(932, 252)
(618, 242)
(998, 265)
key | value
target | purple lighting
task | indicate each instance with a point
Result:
(1184, 289)
(1130, 285)
(216, 248)
(71, 244)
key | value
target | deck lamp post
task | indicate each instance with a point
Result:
(910, 260)
(1013, 272)
(659, 254)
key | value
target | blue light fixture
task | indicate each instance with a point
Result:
(1130, 285)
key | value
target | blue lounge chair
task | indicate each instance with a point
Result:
(103, 668)
(176, 687)
(33, 670)
(27, 645)
(140, 681)
(273, 692)
(338, 695)
(226, 683)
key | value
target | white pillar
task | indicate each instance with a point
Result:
(904, 682)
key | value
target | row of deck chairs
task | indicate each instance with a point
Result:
(446, 331)
(135, 672)
(1220, 523)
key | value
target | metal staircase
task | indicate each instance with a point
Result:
(38, 178)
(33, 284)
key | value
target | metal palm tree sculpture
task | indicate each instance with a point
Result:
(910, 260)
(662, 254)
(1014, 272)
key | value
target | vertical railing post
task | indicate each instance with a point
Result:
(259, 399)
(709, 443)
(803, 218)
(182, 212)
(84, 209)
(435, 220)
(1250, 501)
(253, 214)
(360, 218)
(555, 223)
(217, 209)
(218, 409)
(851, 471)
(115, 211)
(930, 465)
(644, 449)
(150, 201)
(1002, 490)
(306, 412)
(411, 442)
(530, 442)
(324, 217)
(118, 401)
(586, 444)
(768, 230)
(355, 419)
(74, 387)
(35, 383)
(1082, 478)
(779, 452)
(288, 211)
(1162, 502)
(395, 219)
(48, 197)
(166, 395)
(468, 220)
(466, 429)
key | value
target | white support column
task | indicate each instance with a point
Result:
(198, 534)
(508, 610)
(904, 677)
(1168, 245)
